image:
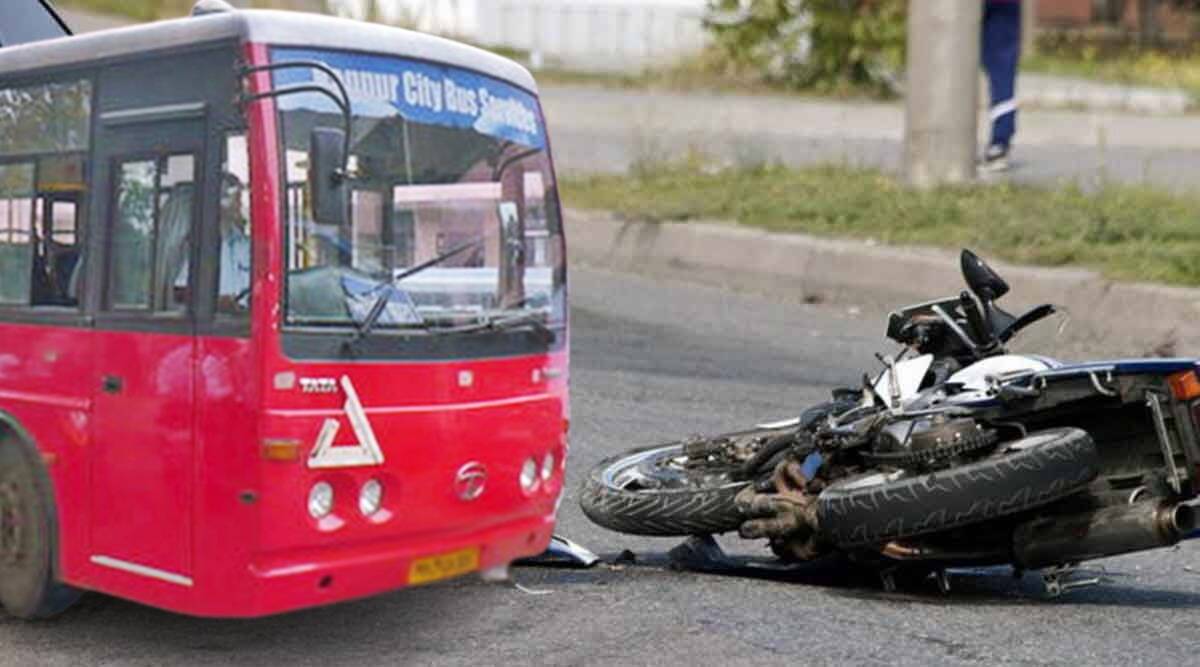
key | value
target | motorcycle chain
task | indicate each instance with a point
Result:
(968, 445)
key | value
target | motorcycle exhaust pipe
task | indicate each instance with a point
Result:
(1110, 531)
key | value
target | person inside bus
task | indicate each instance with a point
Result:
(233, 289)
(174, 242)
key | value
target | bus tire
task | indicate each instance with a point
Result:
(29, 588)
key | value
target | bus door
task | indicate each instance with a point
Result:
(148, 176)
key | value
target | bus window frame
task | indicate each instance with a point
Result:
(80, 315)
(309, 344)
(115, 311)
(217, 114)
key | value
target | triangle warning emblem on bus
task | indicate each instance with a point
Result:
(365, 452)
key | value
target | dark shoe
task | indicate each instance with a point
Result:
(995, 158)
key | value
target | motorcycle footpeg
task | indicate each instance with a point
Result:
(1058, 581)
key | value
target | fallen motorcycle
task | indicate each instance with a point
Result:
(958, 453)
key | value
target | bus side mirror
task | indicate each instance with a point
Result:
(327, 175)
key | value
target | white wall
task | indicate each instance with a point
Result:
(611, 35)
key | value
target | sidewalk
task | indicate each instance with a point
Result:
(609, 130)
(1045, 91)
(81, 21)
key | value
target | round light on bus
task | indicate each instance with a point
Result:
(320, 500)
(547, 467)
(529, 475)
(370, 498)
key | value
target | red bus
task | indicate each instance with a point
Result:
(282, 315)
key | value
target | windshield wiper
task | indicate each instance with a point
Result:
(368, 324)
(532, 320)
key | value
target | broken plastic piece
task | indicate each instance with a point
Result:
(562, 553)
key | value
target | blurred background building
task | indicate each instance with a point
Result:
(1147, 20)
(593, 35)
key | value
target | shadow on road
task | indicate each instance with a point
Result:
(991, 586)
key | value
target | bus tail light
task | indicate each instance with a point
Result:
(548, 466)
(281, 450)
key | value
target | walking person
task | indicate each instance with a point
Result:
(1001, 40)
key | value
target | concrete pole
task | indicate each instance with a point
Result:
(943, 88)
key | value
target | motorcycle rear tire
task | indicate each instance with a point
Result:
(1036, 470)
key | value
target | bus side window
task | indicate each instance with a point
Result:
(152, 231)
(44, 138)
(233, 270)
(17, 210)
(59, 234)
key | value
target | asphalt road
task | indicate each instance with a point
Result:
(655, 360)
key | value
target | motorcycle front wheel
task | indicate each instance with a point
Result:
(669, 491)
(649, 492)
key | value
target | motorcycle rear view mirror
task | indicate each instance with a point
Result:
(327, 177)
(980, 277)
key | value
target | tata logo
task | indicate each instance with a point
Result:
(318, 385)
(470, 481)
(364, 452)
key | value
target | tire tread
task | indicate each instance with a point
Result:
(943, 500)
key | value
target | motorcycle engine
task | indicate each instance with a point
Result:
(930, 442)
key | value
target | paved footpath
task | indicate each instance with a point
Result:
(603, 129)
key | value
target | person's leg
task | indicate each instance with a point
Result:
(1001, 52)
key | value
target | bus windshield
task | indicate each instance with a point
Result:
(454, 215)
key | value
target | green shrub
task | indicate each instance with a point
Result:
(826, 45)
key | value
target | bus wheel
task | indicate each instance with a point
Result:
(28, 588)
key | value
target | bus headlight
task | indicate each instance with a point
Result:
(529, 475)
(370, 498)
(548, 467)
(320, 500)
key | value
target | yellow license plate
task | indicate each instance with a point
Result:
(443, 566)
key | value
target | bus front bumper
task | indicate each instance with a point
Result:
(313, 577)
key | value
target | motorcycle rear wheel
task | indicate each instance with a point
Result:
(879, 507)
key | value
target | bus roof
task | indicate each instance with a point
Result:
(259, 26)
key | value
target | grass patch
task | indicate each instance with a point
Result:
(1126, 232)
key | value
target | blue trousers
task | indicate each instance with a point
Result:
(1001, 52)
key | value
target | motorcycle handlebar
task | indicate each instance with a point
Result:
(979, 329)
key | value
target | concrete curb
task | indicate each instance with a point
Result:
(815, 269)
